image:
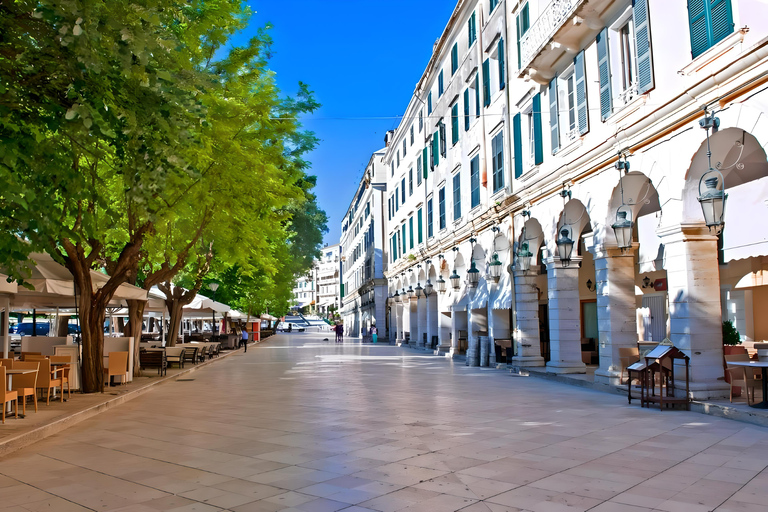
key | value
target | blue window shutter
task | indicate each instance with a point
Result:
(436, 149)
(455, 123)
(418, 223)
(604, 72)
(474, 182)
(643, 45)
(440, 88)
(502, 65)
(429, 103)
(697, 21)
(466, 109)
(404, 240)
(553, 118)
(721, 14)
(486, 82)
(477, 98)
(518, 143)
(538, 147)
(425, 162)
(471, 30)
(410, 228)
(454, 58)
(457, 196)
(582, 114)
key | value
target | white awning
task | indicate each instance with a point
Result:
(501, 295)
(746, 234)
(478, 297)
(202, 304)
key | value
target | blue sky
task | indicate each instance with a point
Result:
(362, 58)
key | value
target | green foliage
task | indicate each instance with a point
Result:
(730, 334)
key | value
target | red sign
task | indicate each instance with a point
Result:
(660, 285)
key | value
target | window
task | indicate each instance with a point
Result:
(493, 5)
(411, 135)
(466, 109)
(402, 240)
(455, 123)
(418, 225)
(523, 24)
(430, 233)
(527, 129)
(404, 146)
(471, 30)
(562, 109)
(457, 196)
(710, 22)
(441, 130)
(454, 58)
(429, 103)
(389, 208)
(486, 82)
(626, 52)
(477, 98)
(435, 149)
(502, 70)
(497, 161)
(397, 199)
(410, 228)
(402, 190)
(440, 84)
(421, 120)
(410, 181)
(392, 168)
(398, 158)
(441, 207)
(425, 162)
(419, 171)
(474, 182)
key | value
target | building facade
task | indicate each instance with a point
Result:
(561, 142)
(327, 272)
(364, 288)
(304, 293)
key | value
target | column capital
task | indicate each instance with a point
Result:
(608, 251)
(685, 232)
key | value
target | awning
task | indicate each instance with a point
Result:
(501, 295)
(478, 297)
(202, 304)
(268, 317)
(743, 237)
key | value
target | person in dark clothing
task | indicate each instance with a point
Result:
(244, 340)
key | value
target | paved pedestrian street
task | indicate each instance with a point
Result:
(297, 423)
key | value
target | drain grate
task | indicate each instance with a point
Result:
(184, 380)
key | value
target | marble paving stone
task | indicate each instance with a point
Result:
(311, 426)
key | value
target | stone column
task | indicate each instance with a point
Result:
(421, 313)
(444, 324)
(693, 280)
(616, 309)
(399, 323)
(564, 318)
(414, 322)
(429, 305)
(526, 332)
(454, 334)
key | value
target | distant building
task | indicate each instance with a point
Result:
(304, 295)
(363, 288)
(327, 273)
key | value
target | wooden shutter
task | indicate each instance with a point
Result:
(604, 73)
(553, 117)
(538, 148)
(477, 98)
(721, 16)
(425, 162)
(519, 35)
(418, 222)
(710, 22)
(486, 82)
(466, 109)
(436, 149)
(443, 145)
(502, 71)
(518, 143)
(454, 58)
(580, 83)
(643, 45)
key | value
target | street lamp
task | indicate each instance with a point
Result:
(524, 256)
(712, 199)
(455, 280)
(565, 246)
(429, 289)
(419, 290)
(396, 296)
(473, 275)
(622, 228)
(440, 284)
(213, 287)
(411, 292)
(495, 268)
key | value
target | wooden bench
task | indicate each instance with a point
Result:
(153, 358)
(175, 355)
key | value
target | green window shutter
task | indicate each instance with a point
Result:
(457, 196)
(497, 154)
(538, 148)
(553, 118)
(466, 109)
(502, 67)
(430, 220)
(410, 228)
(455, 123)
(474, 182)
(454, 58)
(486, 82)
(418, 224)
(643, 46)
(403, 240)
(518, 143)
(710, 22)
(471, 30)
(440, 88)
(721, 14)
(519, 35)
(436, 149)
(429, 103)
(425, 162)
(443, 145)
(582, 114)
(604, 72)
(477, 98)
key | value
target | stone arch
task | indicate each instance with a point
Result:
(640, 197)
(575, 217)
(534, 235)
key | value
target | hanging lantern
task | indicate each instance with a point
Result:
(411, 292)
(441, 284)
(473, 275)
(455, 280)
(495, 268)
(396, 296)
(428, 289)
(623, 230)
(712, 200)
(419, 290)
(565, 247)
(524, 256)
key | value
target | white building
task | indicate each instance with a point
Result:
(517, 138)
(363, 230)
(304, 293)
(328, 278)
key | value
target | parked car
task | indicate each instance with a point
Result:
(283, 326)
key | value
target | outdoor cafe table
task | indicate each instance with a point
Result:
(763, 365)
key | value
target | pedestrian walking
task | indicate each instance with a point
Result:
(338, 334)
(374, 333)
(244, 339)
(341, 333)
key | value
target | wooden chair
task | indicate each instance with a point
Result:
(64, 372)
(175, 355)
(47, 380)
(190, 355)
(24, 355)
(741, 376)
(8, 363)
(153, 358)
(8, 396)
(117, 367)
(26, 384)
(627, 357)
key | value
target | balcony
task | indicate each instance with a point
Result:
(558, 32)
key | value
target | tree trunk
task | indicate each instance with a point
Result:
(92, 312)
(176, 315)
(135, 317)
